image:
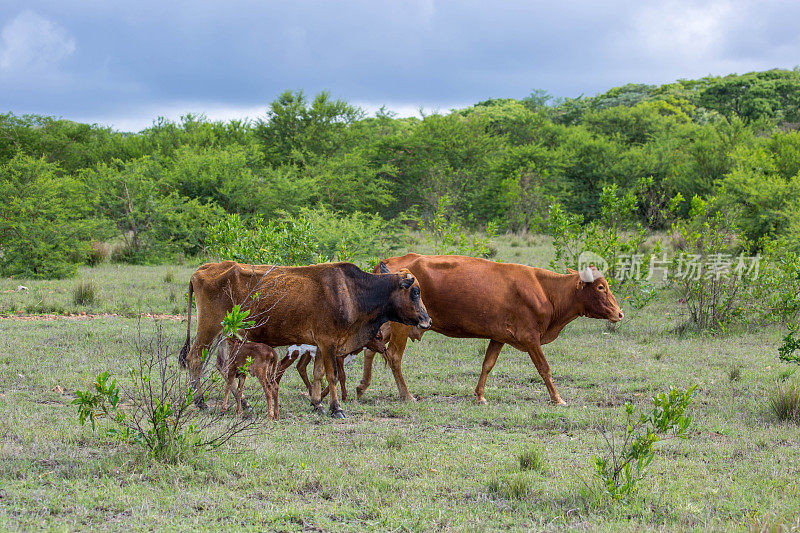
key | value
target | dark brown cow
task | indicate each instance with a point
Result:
(335, 306)
(512, 304)
(233, 355)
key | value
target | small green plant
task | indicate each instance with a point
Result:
(735, 373)
(98, 403)
(84, 293)
(784, 402)
(235, 321)
(532, 459)
(395, 440)
(510, 487)
(169, 276)
(625, 463)
(788, 350)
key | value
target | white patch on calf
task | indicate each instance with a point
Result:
(302, 348)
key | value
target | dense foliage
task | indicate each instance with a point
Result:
(732, 141)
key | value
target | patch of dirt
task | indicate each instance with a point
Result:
(89, 316)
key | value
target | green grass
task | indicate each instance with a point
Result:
(440, 463)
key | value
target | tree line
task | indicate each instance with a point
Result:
(733, 140)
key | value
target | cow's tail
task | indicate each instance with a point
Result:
(187, 346)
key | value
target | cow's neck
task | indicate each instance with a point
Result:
(374, 302)
(561, 290)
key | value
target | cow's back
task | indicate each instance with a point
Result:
(472, 297)
(288, 304)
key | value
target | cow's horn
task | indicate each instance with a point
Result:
(587, 276)
(409, 276)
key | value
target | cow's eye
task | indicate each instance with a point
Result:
(601, 288)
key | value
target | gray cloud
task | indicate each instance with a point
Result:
(124, 63)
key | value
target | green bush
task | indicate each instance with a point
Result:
(625, 462)
(713, 279)
(445, 233)
(286, 242)
(46, 223)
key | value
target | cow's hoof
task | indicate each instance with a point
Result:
(559, 403)
(359, 393)
(246, 406)
(338, 414)
(408, 398)
(481, 401)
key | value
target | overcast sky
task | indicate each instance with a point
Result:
(125, 63)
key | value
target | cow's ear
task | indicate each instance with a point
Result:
(407, 281)
(382, 268)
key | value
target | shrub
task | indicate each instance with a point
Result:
(285, 242)
(784, 402)
(713, 281)
(169, 276)
(625, 463)
(45, 220)
(445, 233)
(158, 412)
(84, 293)
(97, 253)
(735, 373)
(532, 459)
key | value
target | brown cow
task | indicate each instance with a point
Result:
(519, 305)
(335, 306)
(233, 355)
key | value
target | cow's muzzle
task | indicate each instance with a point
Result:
(425, 323)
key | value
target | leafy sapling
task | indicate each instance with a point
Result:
(625, 463)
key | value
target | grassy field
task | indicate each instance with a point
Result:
(442, 463)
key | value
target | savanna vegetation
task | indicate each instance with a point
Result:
(683, 416)
(76, 193)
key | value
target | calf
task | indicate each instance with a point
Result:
(307, 352)
(233, 356)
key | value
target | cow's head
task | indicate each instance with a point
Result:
(405, 302)
(595, 295)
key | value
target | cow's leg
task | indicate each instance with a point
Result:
(208, 328)
(228, 386)
(492, 351)
(260, 373)
(302, 369)
(342, 377)
(327, 354)
(395, 346)
(394, 356)
(537, 356)
(316, 393)
(242, 378)
(366, 378)
(284, 364)
(238, 393)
